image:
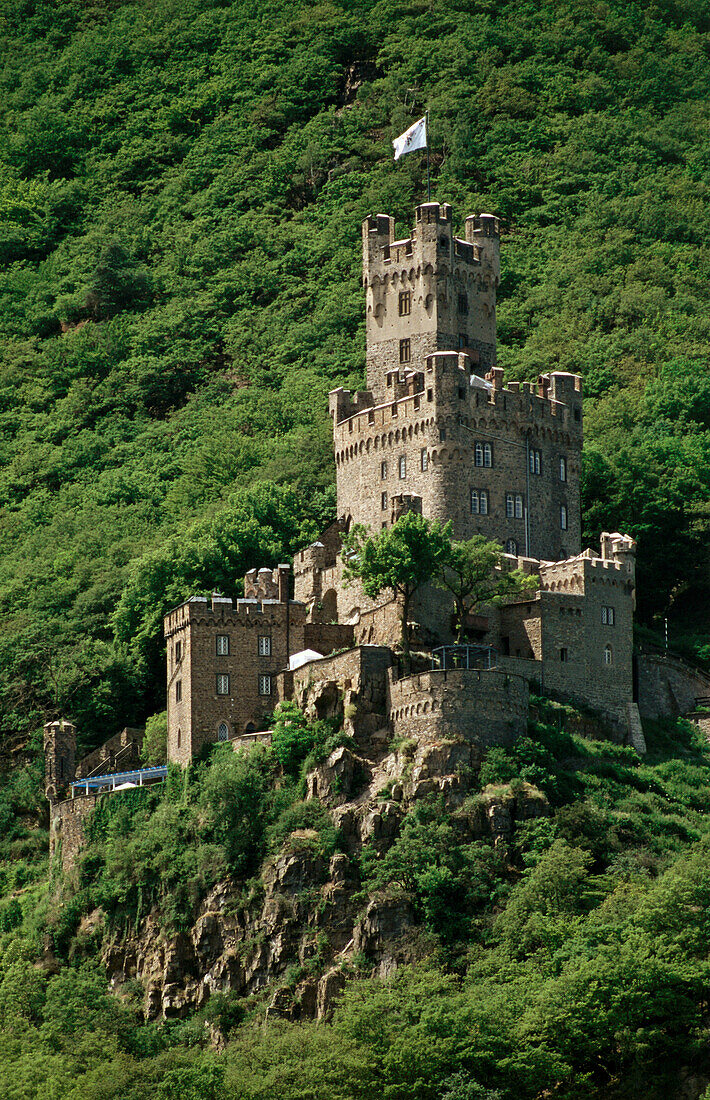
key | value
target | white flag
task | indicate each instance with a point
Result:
(411, 139)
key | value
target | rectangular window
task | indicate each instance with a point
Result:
(402, 465)
(487, 455)
(178, 652)
(223, 684)
(264, 645)
(424, 458)
(463, 303)
(563, 517)
(509, 506)
(264, 685)
(564, 655)
(563, 469)
(463, 340)
(383, 470)
(178, 691)
(442, 435)
(479, 502)
(535, 462)
(478, 454)
(371, 418)
(405, 303)
(483, 497)
(430, 395)
(608, 616)
(518, 506)
(222, 646)
(384, 502)
(405, 351)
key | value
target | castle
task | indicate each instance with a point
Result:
(436, 432)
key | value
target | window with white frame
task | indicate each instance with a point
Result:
(510, 505)
(264, 645)
(424, 458)
(518, 506)
(479, 502)
(402, 465)
(535, 458)
(222, 684)
(563, 468)
(383, 470)
(222, 645)
(478, 454)
(563, 516)
(608, 657)
(264, 685)
(608, 616)
(384, 502)
(223, 732)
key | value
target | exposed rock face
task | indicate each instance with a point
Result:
(299, 932)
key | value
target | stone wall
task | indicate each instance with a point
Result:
(120, 753)
(667, 686)
(350, 686)
(485, 707)
(66, 828)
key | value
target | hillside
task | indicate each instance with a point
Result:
(181, 192)
(182, 187)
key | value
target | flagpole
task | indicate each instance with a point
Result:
(428, 180)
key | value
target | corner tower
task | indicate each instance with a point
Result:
(429, 292)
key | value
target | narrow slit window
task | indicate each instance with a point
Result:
(424, 459)
(563, 517)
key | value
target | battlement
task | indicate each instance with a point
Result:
(222, 610)
(448, 386)
(268, 584)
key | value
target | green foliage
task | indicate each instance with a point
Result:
(448, 881)
(401, 558)
(155, 742)
(472, 573)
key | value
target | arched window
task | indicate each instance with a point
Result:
(608, 657)
(511, 547)
(223, 732)
(487, 455)
(478, 454)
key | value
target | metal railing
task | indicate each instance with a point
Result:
(449, 657)
(140, 777)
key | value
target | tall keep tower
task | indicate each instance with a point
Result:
(430, 292)
(436, 431)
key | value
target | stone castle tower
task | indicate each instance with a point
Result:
(436, 431)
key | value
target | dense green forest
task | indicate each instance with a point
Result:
(181, 192)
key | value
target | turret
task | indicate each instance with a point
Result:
(431, 291)
(59, 758)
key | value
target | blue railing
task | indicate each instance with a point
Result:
(137, 778)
